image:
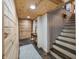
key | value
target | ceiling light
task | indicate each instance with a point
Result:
(32, 6)
(28, 16)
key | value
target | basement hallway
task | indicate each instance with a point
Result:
(39, 29)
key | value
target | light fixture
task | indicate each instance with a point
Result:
(32, 7)
(28, 16)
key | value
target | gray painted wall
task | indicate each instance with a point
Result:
(55, 24)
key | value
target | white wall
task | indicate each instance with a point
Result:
(68, 9)
(34, 26)
(42, 32)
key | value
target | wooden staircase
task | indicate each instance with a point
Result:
(65, 44)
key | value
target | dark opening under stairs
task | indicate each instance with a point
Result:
(65, 44)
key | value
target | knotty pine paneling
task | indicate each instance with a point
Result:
(25, 29)
(10, 31)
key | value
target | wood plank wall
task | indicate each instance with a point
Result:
(10, 31)
(25, 27)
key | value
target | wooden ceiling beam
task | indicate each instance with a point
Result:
(57, 1)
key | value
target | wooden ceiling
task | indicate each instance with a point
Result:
(42, 6)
